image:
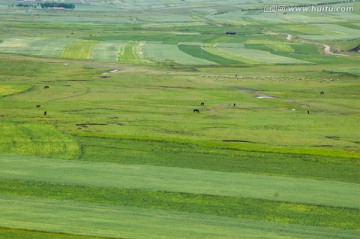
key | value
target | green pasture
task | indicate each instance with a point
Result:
(233, 207)
(307, 191)
(131, 222)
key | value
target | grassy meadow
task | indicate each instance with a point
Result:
(99, 138)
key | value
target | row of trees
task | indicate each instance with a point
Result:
(45, 5)
(57, 5)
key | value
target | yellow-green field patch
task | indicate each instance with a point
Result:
(36, 139)
(12, 89)
(81, 49)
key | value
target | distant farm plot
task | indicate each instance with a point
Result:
(106, 51)
(259, 56)
(197, 51)
(51, 47)
(274, 45)
(80, 49)
(132, 53)
(334, 32)
(170, 53)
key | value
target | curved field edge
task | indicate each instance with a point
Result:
(6, 90)
(170, 53)
(132, 222)
(277, 188)
(33, 234)
(235, 207)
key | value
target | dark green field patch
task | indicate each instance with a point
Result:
(197, 51)
(126, 151)
(256, 209)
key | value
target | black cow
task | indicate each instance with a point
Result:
(202, 103)
(196, 111)
(45, 112)
(38, 106)
(322, 93)
(46, 87)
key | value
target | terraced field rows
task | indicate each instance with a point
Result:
(145, 52)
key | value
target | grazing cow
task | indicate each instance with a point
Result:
(322, 92)
(46, 87)
(45, 113)
(202, 103)
(234, 104)
(308, 111)
(38, 106)
(196, 111)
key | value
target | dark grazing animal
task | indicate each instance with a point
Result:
(46, 87)
(322, 92)
(45, 112)
(202, 103)
(196, 111)
(38, 106)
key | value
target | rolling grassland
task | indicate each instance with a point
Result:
(144, 119)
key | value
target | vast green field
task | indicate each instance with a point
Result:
(99, 138)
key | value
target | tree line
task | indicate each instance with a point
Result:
(57, 5)
(45, 5)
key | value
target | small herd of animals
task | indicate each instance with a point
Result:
(203, 104)
(38, 106)
(195, 110)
